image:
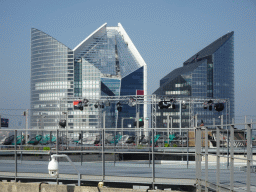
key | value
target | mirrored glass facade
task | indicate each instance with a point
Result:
(51, 78)
(106, 63)
(209, 74)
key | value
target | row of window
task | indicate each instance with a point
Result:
(186, 92)
(174, 121)
(76, 127)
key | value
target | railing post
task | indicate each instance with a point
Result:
(249, 156)
(218, 154)
(115, 149)
(198, 159)
(21, 147)
(187, 149)
(15, 153)
(206, 159)
(168, 128)
(153, 160)
(82, 147)
(232, 135)
(103, 145)
(57, 141)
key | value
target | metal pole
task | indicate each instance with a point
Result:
(218, 155)
(57, 141)
(21, 143)
(168, 128)
(37, 125)
(228, 148)
(82, 133)
(187, 149)
(103, 145)
(115, 149)
(251, 144)
(198, 158)
(50, 137)
(232, 156)
(171, 125)
(180, 117)
(153, 160)
(67, 142)
(0, 122)
(26, 126)
(206, 159)
(122, 125)
(149, 160)
(137, 126)
(249, 156)
(15, 154)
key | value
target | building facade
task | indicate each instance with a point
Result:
(207, 78)
(106, 63)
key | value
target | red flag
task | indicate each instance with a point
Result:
(76, 103)
(139, 92)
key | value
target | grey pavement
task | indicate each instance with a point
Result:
(136, 170)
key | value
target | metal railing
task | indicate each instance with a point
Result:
(210, 158)
(232, 147)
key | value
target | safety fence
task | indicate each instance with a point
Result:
(233, 158)
(213, 159)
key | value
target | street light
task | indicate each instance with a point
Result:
(66, 113)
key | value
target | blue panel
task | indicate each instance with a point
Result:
(129, 85)
(112, 85)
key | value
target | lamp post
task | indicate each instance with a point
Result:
(42, 121)
(180, 117)
(168, 126)
(122, 123)
(66, 113)
(37, 120)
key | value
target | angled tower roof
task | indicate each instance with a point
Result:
(210, 49)
(179, 71)
(78, 50)
(111, 50)
(35, 31)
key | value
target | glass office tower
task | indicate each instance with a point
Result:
(106, 63)
(209, 74)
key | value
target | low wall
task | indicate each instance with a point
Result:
(37, 187)
(19, 187)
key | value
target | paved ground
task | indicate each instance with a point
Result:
(132, 171)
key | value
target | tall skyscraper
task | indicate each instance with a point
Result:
(208, 75)
(106, 63)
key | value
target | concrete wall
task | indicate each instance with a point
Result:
(19, 187)
(36, 187)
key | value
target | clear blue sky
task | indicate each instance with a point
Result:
(166, 33)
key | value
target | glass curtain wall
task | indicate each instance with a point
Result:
(51, 79)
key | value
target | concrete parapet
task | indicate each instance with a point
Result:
(37, 187)
(106, 189)
(54, 188)
(85, 189)
(19, 187)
